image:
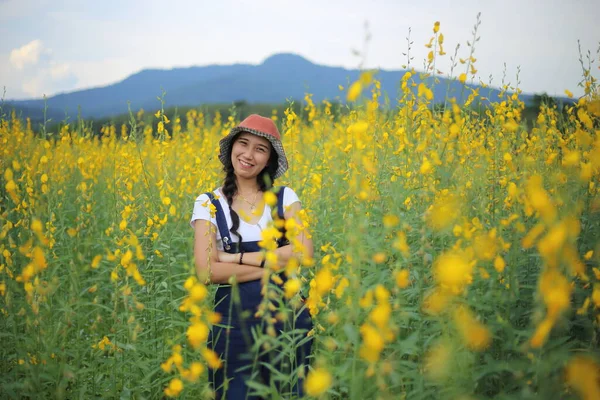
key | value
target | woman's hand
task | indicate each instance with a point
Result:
(284, 253)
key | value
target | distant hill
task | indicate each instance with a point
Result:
(279, 78)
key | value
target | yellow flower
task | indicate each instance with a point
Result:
(193, 374)
(436, 301)
(126, 259)
(104, 343)
(437, 361)
(36, 226)
(212, 358)
(380, 315)
(354, 91)
(499, 264)
(39, 260)
(596, 295)
(317, 382)
(454, 130)
(291, 287)
(486, 245)
(324, 281)
(462, 78)
(390, 220)
(379, 257)
(556, 292)
(198, 292)
(541, 333)
(367, 300)
(583, 374)
(402, 278)
(443, 213)
(532, 235)
(358, 128)
(475, 335)
(175, 387)
(436, 27)
(423, 90)
(96, 261)
(270, 198)
(197, 334)
(366, 77)
(401, 244)
(571, 158)
(540, 200)
(8, 174)
(373, 343)
(426, 166)
(453, 271)
(341, 287)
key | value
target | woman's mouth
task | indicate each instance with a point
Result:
(244, 164)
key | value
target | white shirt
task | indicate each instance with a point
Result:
(249, 232)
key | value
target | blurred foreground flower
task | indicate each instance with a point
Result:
(317, 382)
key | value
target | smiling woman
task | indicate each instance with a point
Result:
(229, 224)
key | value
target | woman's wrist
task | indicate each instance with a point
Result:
(263, 259)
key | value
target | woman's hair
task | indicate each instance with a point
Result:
(264, 179)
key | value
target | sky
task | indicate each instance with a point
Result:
(49, 47)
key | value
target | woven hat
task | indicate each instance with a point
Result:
(259, 126)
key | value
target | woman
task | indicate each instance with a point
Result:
(226, 246)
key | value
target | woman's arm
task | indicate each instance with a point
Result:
(257, 258)
(254, 258)
(284, 253)
(208, 266)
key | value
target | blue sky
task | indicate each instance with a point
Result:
(49, 47)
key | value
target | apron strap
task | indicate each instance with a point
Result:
(280, 211)
(221, 222)
(282, 241)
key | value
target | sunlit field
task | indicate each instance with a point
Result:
(457, 249)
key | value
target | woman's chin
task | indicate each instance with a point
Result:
(245, 174)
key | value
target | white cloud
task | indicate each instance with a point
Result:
(33, 86)
(32, 71)
(60, 71)
(28, 54)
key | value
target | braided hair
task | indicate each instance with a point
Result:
(264, 179)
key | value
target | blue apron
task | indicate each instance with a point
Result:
(233, 339)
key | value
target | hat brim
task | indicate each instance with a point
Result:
(225, 147)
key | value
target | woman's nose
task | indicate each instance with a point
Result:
(248, 153)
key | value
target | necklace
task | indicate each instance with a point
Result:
(252, 203)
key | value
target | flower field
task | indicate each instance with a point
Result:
(457, 250)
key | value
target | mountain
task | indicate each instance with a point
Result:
(279, 78)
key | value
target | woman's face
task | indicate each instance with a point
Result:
(250, 155)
